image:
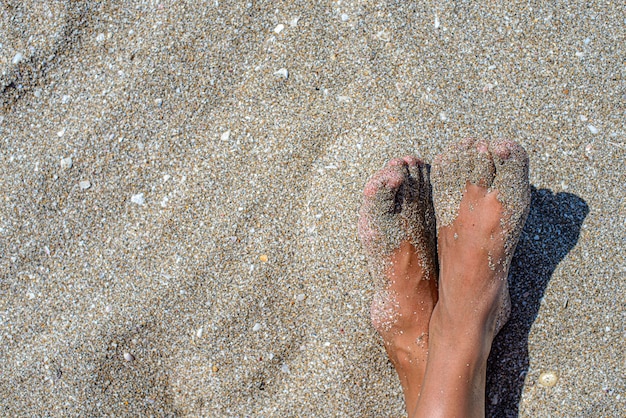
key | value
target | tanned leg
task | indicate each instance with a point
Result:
(481, 194)
(397, 230)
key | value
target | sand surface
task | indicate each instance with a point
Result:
(180, 181)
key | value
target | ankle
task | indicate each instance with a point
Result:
(467, 336)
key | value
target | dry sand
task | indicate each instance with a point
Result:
(179, 186)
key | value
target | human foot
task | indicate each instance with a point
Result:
(481, 196)
(397, 230)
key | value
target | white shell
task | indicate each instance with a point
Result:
(66, 163)
(548, 379)
(17, 58)
(138, 199)
(283, 72)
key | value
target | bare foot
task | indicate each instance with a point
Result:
(481, 195)
(397, 230)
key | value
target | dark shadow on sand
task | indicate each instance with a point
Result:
(551, 231)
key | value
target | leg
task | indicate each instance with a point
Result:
(481, 196)
(397, 230)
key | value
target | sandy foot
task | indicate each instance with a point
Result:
(397, 230)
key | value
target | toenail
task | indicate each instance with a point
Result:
(397, 162)
(370, 189)
(503, 151)
(482, 147)
(412, 161)
(393, 181)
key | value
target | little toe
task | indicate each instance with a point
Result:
(507, 150)
(511, 181)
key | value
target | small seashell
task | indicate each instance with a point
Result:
(294, 22)
(593, 129)
(100, 37)
(383, 36)
(215, 369)
(300, 297)
(263, 258)
(129, 357)
(283, 72)
(199, 333)
(138, 199)
(256, 327)
(85, 184)
(548, 379)
(279, 28)
(344, 17)
(437, 22)
(17, 58)
(225, 136)
(66, 163)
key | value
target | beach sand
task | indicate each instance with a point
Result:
(180, 183)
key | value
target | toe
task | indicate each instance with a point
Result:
(396, 162)
(505, 149)
(483, 167)
(412, 161)
(465, 144)
(385, 192)
(511, 181)
(384, 181)
(511, 161)
(448, 182)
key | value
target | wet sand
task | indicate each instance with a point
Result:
(180, 184)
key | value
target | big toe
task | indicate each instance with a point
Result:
(381, 201)
(468, 160)
(384, 185)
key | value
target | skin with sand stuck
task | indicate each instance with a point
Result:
(438, 319)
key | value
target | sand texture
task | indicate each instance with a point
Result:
(180, 184)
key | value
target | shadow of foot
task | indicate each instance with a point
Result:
(551, 231)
